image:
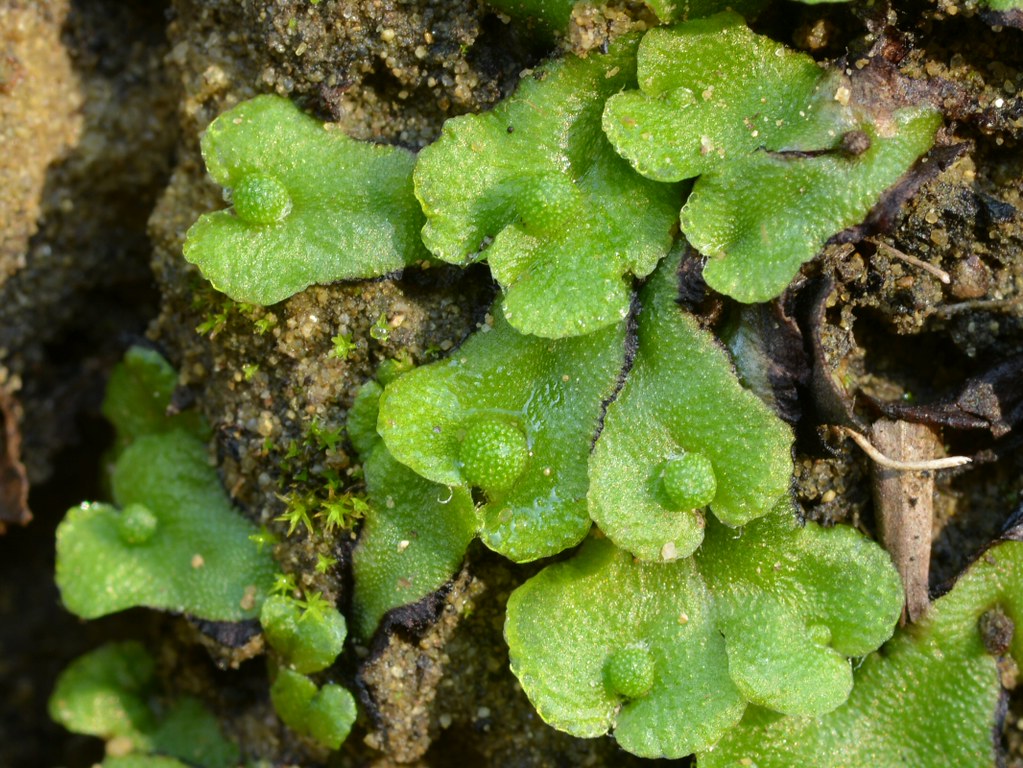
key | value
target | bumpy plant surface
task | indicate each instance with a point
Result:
(522, 411)
(1005, 5)
(785, 154)
(310, 205)
(174, 544)
(701, 617)
(416, 532)
(534, 187)
(933, 698)
(704, 439)
(604, 642)
(307, 637)
(142, 761)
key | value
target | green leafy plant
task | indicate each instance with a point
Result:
(560, 411)
(706, 440)
(416, 531)
(1004, 6)
(109, 693)
(534, 187)
(138, 396)
(932, 698)
(310, 205)
(436, 419)
(572, 628)
(308, 636)
(787, 155)
(175, 543)
(605, 642)
(343, 345)
(298, 511)
(554, 15)
(142, 761)
(520, 414)
(325, 714)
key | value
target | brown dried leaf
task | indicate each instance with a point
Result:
(993, 401)
(768, 352)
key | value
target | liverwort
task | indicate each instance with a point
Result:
(310, 205)
(602, 642)
(138, 397)
(493, 454)
(787, 154)
(555, 15)
(110, 693)
(535, 189)
(706, 441)
(605, 642)
(176, 545)
(512, 416)
(307, 640)
(325, 714)
(415, 532)
(934, 698)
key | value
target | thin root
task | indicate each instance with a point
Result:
(904, 466)
(938, 272)
(980, 305)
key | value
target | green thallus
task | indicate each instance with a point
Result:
(516, 415)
